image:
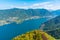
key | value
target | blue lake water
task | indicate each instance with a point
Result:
(7, 32)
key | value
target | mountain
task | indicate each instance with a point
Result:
(54, 33)
(51, 24)
(56, 12)
(17, 15)
(34, 35)
(39, 12)
(52, 27)
(23, 13)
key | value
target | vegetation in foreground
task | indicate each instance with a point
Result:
(34, 35)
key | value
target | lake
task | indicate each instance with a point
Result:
(7, 32)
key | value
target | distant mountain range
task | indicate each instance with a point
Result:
(26, 13)
(8, 16)
(56, 12)
(23, 13)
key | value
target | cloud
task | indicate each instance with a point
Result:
(46, 5)
(50, 5)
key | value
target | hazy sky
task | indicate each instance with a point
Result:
(25, 4)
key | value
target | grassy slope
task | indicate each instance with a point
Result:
(34, 35)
